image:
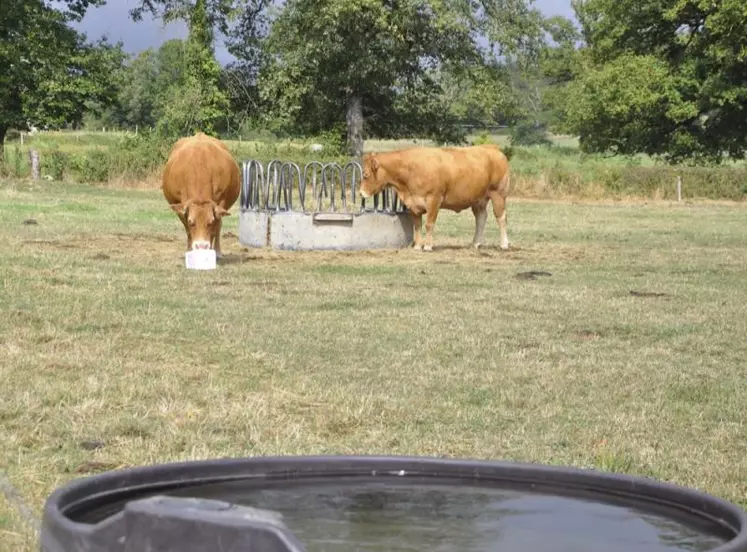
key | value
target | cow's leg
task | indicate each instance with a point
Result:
(480, 210)
(417, 227)
(216, 240)
(186, 228)
(431, 214)
(499, 210)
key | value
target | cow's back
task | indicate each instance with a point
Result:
(434, 164)
(201, 168)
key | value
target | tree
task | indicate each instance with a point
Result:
(215, 14)
(199, 103)
(148, 83)
(539, 87)
(346, 61)
(662, 77)
(480, 96)
(82, 79)
(47, 70)
(239, 82)
(171, 65)
(559, 66)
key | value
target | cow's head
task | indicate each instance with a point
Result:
(373, 180)
(202, 218)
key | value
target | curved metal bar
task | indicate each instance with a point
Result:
(396, 202)
(356, 175)
(325, 178)
(314, 180)
(252, 180)
(287, 182)
(244, 194)
(273, 178)
(271, 187)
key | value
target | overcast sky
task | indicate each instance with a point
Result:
(113, 20)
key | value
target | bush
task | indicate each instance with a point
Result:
(482, 139)
(55, 163)
(550, 172)
(527, 134)
(137, 157)
(14, 163)
(93, 166)
(508, 151)
(250, 130)
(333, 140)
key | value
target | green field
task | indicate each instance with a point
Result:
(106, 337)
(559, 171)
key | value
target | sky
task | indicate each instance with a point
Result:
(113, 20)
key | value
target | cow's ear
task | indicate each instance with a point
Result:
(220, 211)
(374, 162)
(179, 208)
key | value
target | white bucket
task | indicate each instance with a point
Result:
(200, 259)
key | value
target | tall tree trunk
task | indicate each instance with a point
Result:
(354, 120)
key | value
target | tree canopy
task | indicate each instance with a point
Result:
(663, 77)
(345, 61)
(146, 85)
(48, 72)
(197, 103)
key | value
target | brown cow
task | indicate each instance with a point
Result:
(428, 179)
(201, 182)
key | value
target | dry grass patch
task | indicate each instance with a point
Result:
(15, 533)
(112, 355)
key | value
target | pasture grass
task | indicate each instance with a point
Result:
(106, 338)
(16, 534)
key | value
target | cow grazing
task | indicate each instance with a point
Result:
(201, 182)
(429, 179)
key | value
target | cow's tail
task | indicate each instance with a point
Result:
(504, 185)
(499, 206)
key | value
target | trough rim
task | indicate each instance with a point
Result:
(642, 490)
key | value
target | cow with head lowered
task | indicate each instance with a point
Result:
(428, 179)
(201, 182)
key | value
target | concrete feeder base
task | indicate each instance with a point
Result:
(292, 230)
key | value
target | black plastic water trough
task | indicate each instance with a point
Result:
(330, 504)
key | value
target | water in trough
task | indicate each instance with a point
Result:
(368, 516)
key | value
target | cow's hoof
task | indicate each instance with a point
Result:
(504, 247)
(476, 245)
(417, 247)
(428, 248)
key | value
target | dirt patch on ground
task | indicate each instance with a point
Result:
(139, 247)
(532, 275)
(588, 335)
(56, 244)
(648, 294)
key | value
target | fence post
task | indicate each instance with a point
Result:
(679, 188)
(34, 158)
